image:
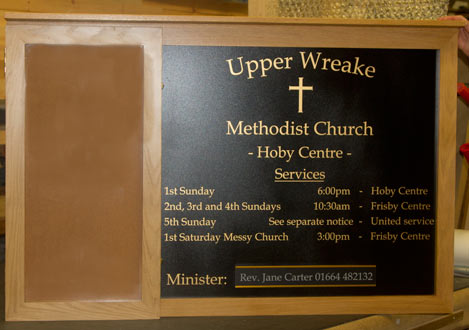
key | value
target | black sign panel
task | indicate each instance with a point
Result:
(298, 172)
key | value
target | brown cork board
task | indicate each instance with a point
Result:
(83, 172)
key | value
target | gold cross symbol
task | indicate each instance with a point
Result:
(300, 88)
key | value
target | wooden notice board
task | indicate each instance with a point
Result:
(181, 166)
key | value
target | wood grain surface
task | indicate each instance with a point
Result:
(32, 304)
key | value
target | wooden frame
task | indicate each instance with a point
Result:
(214, 31)
(148, 306)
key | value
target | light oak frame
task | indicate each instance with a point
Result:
(216, 31)
(148, 306)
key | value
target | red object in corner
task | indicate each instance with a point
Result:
(463, 91)
(464, 149)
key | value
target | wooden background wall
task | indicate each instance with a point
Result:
(137, 7)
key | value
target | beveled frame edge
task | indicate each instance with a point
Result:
(101, 18)
(15, 306)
